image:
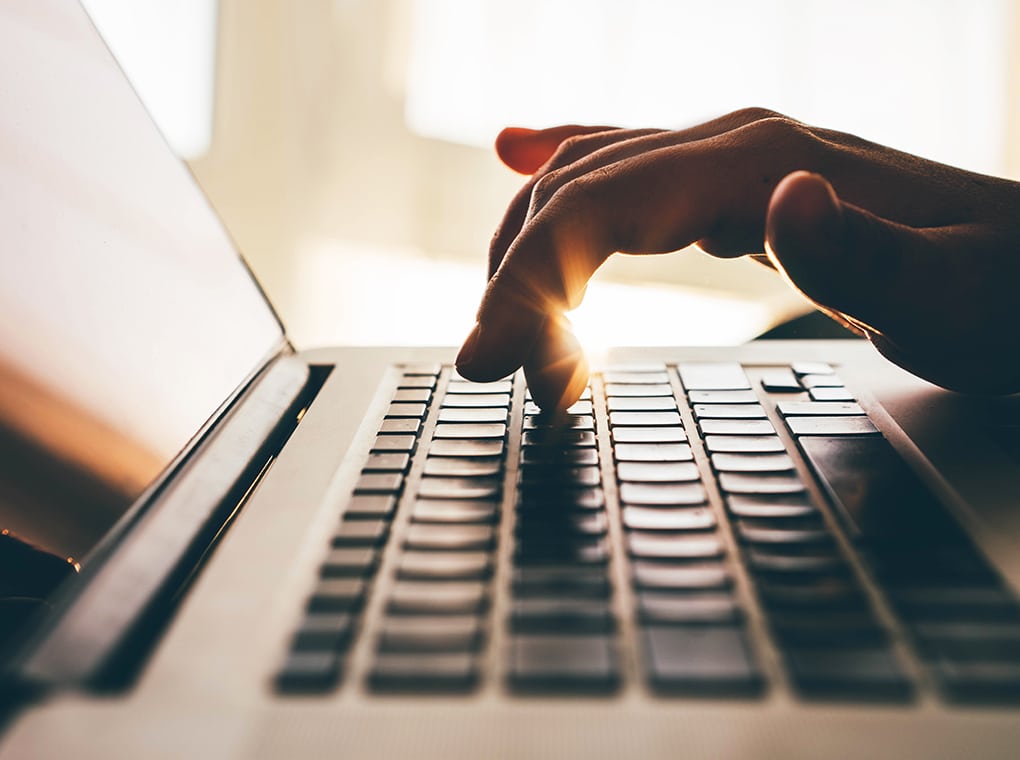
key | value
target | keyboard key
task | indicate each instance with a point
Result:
(417, 382)
(468, 386)
(635, 378)
(394, 443)
(539, 455)
(323, 632)
(349, 563)
(660, 519)
(744, 444)
(665, 577)
(662, 495)
(563, 523)
(834, 629)
(392, 462)
(473, 400)
(819, 595)
(463, 467)
(337, 595)
(397, 409)
(972, 641)
(644, 419)
(423, 598)
(561, 581)
(361, 533)
(424, 672)
(640, 403)
(760, 483)
(465, 448)
(752, 462)
(729, 412)
(873, 673)
(722, 397)
(400, 426)
(961, 603)
(569, 422)
(657, 472)
(823, 393)
(460, 488)
(653, 452)
(567, 499)
(435, 566)
(767, 562)
(821, 381)
(700, 660)
(922, 562)
(657, 546)
(379, 483)
(424, 537)
(470, 431)
(736, 427)
(713, 377)
(412, 395)
(548, 476)
(585, 394)
(579, 408)
(559, 615)
(477, 414)
(558, 438)
(367, 507)
(782, 507)
(780, 381)
(780, 539)
(658, 608)
(812, 368)
(979, 682)
(581, 551)
(617, 390)
(455, 511)
(819, 408)
(422, 369)
(313, 672)
(562, 663)
(447, 633)
(649, 435)
(636, 367)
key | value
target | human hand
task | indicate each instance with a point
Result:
(921, 258)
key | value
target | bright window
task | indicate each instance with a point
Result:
(927, 76)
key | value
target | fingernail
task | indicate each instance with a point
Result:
(467, 351)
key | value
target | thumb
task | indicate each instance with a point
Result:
(845, 259)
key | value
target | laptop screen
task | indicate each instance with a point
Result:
(126, 316)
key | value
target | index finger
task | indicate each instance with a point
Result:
(643, 204)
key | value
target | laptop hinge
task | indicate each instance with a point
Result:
(85, 642)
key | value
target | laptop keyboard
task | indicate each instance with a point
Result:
(732, 530)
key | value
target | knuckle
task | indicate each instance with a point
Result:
(754, 113)
(574, 147)
(585, 190)
(545, 188)
(779, 131)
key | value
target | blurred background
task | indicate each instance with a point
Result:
(347, 143)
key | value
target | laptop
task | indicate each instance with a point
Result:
(216, 546)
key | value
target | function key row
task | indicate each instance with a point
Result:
(332, 614)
